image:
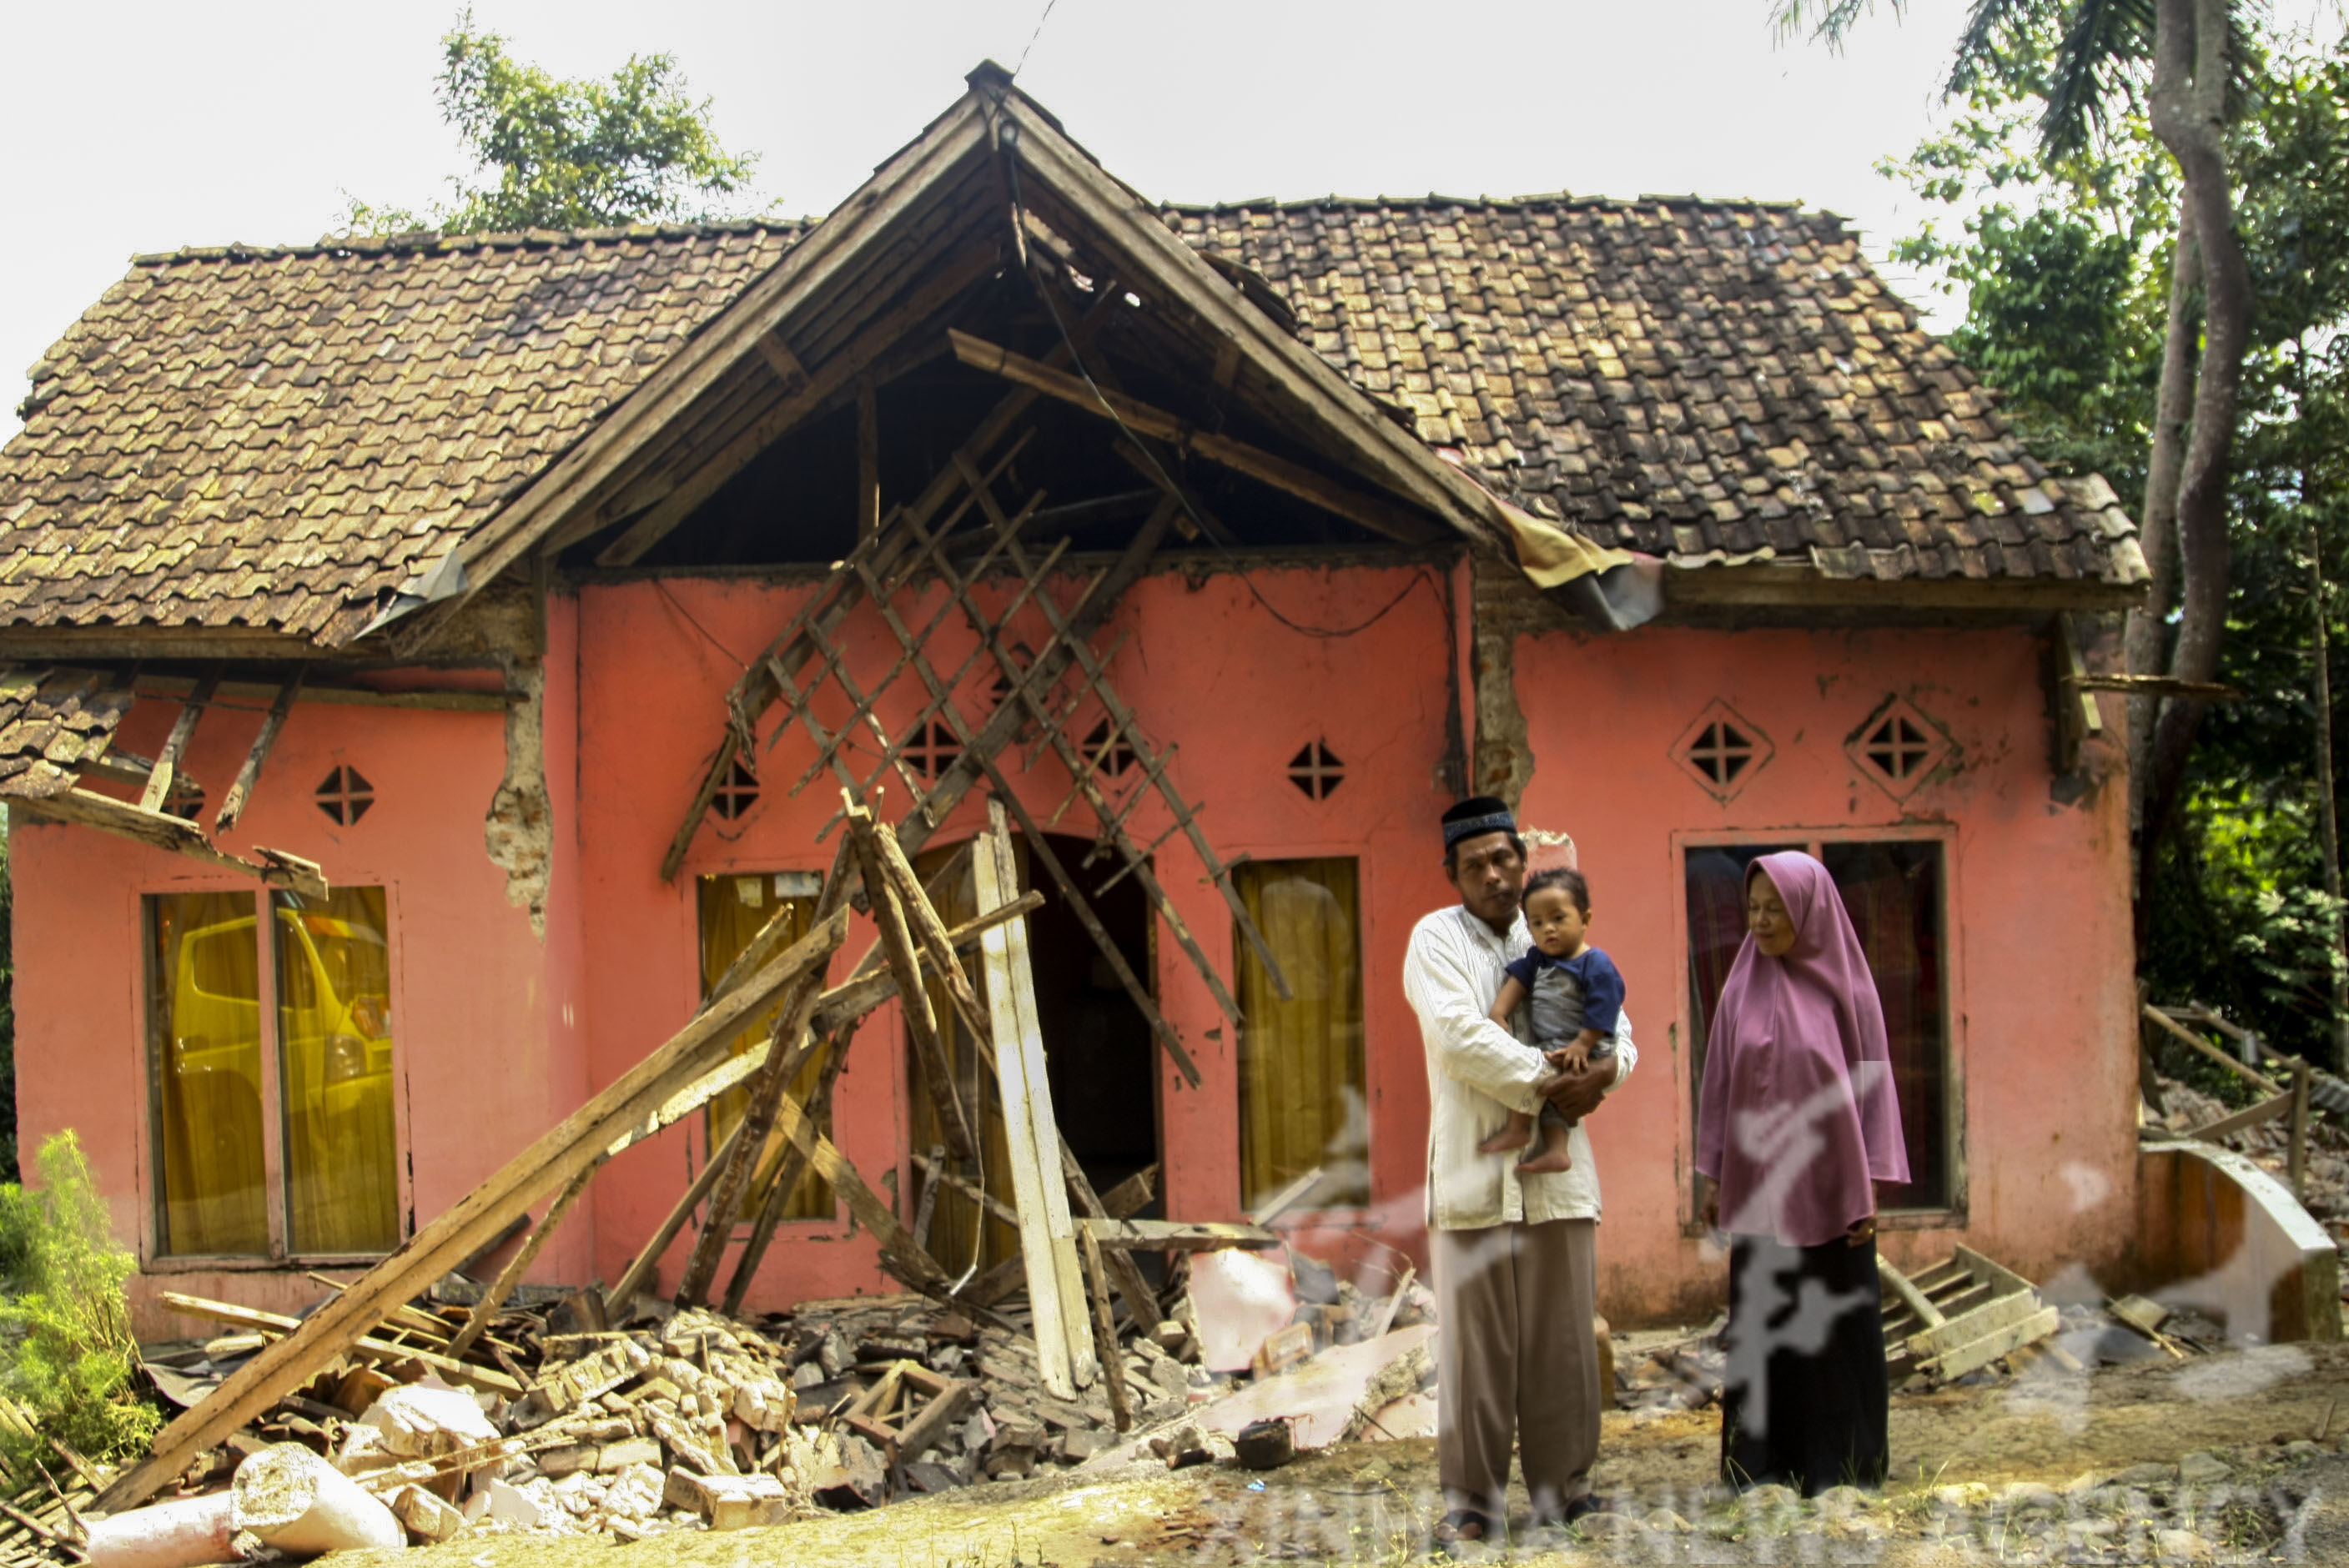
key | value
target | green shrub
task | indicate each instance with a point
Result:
(67, 1354)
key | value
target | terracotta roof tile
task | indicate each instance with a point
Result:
(52, 721)
(277, 436)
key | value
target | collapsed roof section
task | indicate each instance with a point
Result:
(294, 447)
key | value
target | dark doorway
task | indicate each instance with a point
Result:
(1097, 1048)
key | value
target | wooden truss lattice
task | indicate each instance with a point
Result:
(909, 548)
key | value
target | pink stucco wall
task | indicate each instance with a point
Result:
(501, 1030)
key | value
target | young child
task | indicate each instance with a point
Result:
(1578, 995)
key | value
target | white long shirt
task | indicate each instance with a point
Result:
(1477, 1072)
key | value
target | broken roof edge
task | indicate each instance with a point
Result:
(1539, 199)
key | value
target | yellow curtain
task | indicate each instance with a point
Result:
(956, 1221)
(334, 1053)
(1303, 1088)
(205, 1047)
(733, 908)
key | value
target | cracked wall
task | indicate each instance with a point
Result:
(519, 831)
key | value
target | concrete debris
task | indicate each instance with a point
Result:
(671, 1419)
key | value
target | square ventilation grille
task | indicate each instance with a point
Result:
(1898, 747)
(1722, 750)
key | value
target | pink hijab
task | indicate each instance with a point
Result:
(1796, 1114)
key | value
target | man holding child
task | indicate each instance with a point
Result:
(1514, 1246)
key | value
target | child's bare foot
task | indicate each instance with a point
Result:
(1548, 1161)
(1508, 1137)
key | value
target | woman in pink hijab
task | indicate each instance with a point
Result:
(1796, 1122)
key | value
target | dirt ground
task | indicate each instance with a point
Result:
(2073, 1467)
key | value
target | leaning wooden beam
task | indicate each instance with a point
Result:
(735, 1167)
(649, 1256)
(2162, 1020)
(913, 998)
(1055, 1289)
(365, 1347)
(1364, 511)
(232, 806)
(1106, 1345)
(183, 728)
(107, 815)
(899, 1252)
(791, 1168)
(557, 1156)
(485, 1309)
(1177, 1237)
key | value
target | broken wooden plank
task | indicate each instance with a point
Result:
(485, 1309)
(183, 728)
(2162, 1020)
(248, 774)
(649, 1256)
(1980, 1353)
(1901, 1286)
(1106, 1345)
(2265, 1111)
(1378, 515)
(1286, 1198)
(366, 1346)
(913, 998)
(1179, 1236)
(786, 1046)
(554, 1159)
(88, 809)
(791, 1167)
(1047, 1235)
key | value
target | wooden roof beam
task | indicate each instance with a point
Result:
(1137, 418)
(276, 869)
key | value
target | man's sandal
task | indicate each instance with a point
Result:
(1462, 1524)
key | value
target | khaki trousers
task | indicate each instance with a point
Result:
(1515, 1355)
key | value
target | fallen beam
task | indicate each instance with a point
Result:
(174, 834)
(366, 1347)
(1137, 418)
(557, 1156)
(1177, 1236)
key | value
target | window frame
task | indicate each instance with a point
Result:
(153, 1257)
(1955, 1215)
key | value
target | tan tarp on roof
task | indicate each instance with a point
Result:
(277, 439)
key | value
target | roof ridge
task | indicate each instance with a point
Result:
(434, 242)
(1536, 199)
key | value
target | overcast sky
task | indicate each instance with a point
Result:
(143, 127)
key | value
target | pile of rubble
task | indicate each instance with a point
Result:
(553, 1424)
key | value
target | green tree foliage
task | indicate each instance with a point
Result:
(552, 153)
(67, 1354)
(2066, 256)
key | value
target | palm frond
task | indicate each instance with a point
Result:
(1822, 21)
(2102, 40)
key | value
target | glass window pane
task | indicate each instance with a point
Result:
(1893, 891)
(205, 1056)
(334, 1043)
(1303, 1099)
(732, 909)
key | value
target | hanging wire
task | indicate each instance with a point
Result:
(1038, 33)
(1166, 482)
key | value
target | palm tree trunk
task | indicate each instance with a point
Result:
(2188, 104)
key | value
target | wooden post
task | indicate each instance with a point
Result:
(868, 458)
(617, 1299)
(510, 1275)
(1105, 1348)
(167, 761)
(913, 998)
(1056, 1292)
(233, 804)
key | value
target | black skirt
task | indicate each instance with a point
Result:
(1802, 1400)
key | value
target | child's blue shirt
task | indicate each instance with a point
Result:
(1590, 973)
